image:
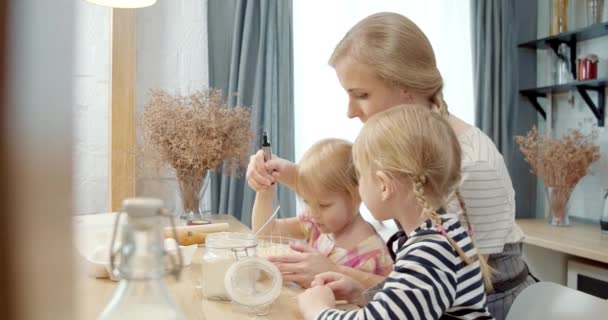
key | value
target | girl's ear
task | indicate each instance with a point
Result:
(386, 185)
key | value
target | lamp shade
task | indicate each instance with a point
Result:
(124, 3)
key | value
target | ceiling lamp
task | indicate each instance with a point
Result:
(124, 3)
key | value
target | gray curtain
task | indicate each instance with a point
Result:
(251, 54)
(497, 67)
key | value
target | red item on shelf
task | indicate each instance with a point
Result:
(591, 63)
(586, 67)
(581, 68)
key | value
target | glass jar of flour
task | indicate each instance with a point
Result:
(231, 270)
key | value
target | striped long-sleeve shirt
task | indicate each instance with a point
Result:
(429, 280)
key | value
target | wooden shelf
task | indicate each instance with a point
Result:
(590, 32)
(570, 38)
(560, 88)
(583, 88)
(584, 240)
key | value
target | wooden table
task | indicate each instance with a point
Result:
(579, 239)
(94, 294)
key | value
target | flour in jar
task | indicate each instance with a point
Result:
(222, 249)
(148, 311)
(213, 273)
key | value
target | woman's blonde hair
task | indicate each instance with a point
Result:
(412, 144)
(399, 53)
(327, 167)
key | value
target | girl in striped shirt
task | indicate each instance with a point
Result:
(408, 162)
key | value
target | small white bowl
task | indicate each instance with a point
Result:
(110, 273)
(98, 262)
(187, 251)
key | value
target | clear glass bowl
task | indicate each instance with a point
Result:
(275, 245)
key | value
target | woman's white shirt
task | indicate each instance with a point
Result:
(488, 193)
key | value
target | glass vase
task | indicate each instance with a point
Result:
(604, 218)
(594, 9)
(563, 65)
(191, 191)
(559, 16)
(558, 198)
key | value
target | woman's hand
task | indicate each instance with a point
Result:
(261, 175)
(342, 286)
(314, 300)
(303, 266)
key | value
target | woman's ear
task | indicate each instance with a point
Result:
(356, 199)
(386, 185)
(406, 96)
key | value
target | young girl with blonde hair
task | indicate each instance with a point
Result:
(386, 60)
(408, 162)
(337, 236)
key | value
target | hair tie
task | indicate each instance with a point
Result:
(471, 231)
(441, 230)
(420, 179)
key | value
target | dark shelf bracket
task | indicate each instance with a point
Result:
(599, 110)
(554, 44)
(533, 98)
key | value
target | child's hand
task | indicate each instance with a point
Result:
(302, 267)
(261, 175)
(314, 300)
(343, 286)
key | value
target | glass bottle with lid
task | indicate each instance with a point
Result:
(142, 292)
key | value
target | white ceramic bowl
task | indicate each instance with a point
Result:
(187, 251)
(98, 262)
(92, 237)
(109, 272)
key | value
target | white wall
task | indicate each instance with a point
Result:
(90, 112)
(171, 54)
(587, 199)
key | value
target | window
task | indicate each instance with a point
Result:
(320, 101)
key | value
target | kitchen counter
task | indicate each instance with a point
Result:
(580, 239)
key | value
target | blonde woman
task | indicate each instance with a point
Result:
(386, 60)
(338, 237)
(408, 160)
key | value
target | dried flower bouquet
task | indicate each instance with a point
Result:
(194, 134)
(561, 163)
